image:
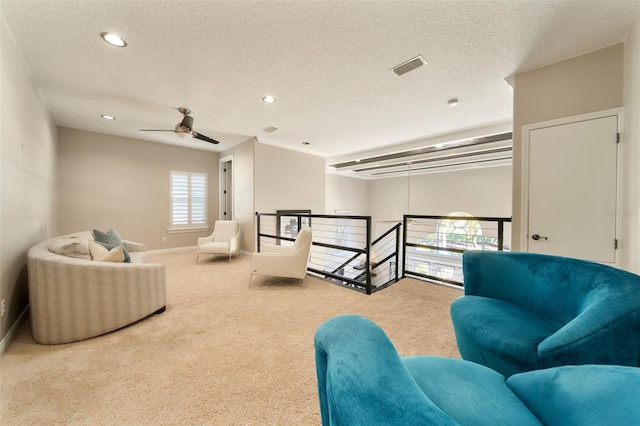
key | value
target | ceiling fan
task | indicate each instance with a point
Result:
(184, 129)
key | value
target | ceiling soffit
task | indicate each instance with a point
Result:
(488, 151)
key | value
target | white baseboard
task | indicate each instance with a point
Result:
(178, 249)
(13, 330)
(171, 250)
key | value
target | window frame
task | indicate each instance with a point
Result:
(192, 224)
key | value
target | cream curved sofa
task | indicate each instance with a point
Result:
(72, 297)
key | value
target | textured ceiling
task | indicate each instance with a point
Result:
(327, 64)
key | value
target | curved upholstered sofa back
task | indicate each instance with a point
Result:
(71, 299)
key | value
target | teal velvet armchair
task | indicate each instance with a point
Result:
(526, 311)
(363, 381)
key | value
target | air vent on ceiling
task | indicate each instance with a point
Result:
(269, 129)
(409, 65)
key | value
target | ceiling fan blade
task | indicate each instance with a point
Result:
(204, 138)
(156, 130)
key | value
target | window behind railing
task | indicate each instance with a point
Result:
(343, 251)
(433, 245)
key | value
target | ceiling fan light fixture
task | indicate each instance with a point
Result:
(113, 39)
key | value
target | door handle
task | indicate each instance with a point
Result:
(537, 237)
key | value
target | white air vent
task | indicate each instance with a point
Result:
(409, 65)
(269, 129)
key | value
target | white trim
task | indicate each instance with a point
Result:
(190, 176)
(524, 187)
(221, 185)
(171, 250)
(186, 230)
(455, 287)
(13, 331)
(181, 249)
(618, 258)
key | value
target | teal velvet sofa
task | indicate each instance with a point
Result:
(526, 311)
(363, 381)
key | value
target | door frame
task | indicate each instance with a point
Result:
(524, 189)
(221, 185)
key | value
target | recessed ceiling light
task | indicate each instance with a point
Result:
(107, 117)
(113, 39)
(306, 143)
(269, 99)
(452, 102)
(357, 160)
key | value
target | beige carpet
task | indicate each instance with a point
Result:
(221, 354)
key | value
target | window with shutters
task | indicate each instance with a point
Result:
(188, 201)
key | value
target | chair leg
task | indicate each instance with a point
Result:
(197, 254)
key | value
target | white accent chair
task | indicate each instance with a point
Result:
(284, 261)
(224, 240)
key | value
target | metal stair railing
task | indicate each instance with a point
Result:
(341, 251)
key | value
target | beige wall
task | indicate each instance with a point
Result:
(630, 214)
(109, 181)
(268, 178)
(587, 83)
(27, 151)
(480, 192)
(347, 193)
(284, 180)
(288, 180)
(243, 191)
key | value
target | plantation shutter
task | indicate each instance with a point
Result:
(198, 199)
(188, 199)
(179, 198)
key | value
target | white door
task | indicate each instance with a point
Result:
(572, 189)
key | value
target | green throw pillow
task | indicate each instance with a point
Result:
(111, 239)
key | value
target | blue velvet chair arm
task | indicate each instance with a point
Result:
(606, 329)
(586, 395)
(606, 332)
(363, 381)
